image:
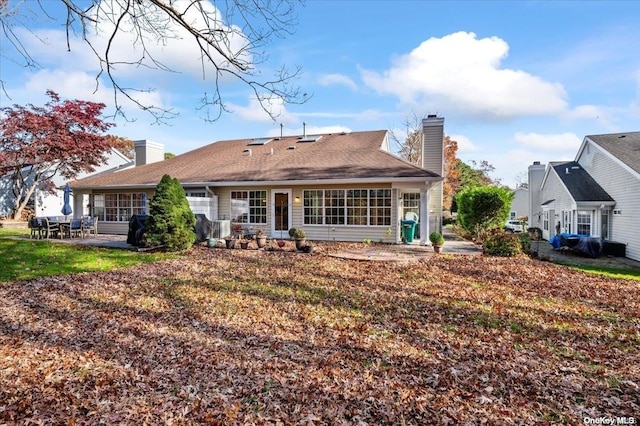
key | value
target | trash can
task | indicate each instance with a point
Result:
(408, 230)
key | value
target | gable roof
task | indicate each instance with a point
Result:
(579, 183)
(340, 156)
(624, 146)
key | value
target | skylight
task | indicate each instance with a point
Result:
(260, 141)
(310, 138)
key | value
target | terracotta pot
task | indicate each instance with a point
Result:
(261, 241)
(244, 244)
(437, 249)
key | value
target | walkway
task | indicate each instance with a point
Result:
(454, 245)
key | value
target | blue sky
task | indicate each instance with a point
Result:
(516, 81)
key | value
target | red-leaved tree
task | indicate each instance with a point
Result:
(63, 138)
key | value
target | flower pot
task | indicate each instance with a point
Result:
(281, 243)
(244, 244)
(261, 241)
(231, 243)
(437, 249)
(300, 242)
(212, 242)
(308, 248)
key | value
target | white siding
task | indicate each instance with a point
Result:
(320, 232)
(623, 186)
(554, 189)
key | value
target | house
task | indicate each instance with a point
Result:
(44, 203)
(340, 186)
(597, 194)
(520, 203)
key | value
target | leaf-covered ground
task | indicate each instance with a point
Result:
(248, 337)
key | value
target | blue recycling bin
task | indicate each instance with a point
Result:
(408, 229)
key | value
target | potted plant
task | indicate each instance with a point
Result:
(299, 236)
(307, 248)
(237, 230)
(230, 241)
(261, 238)
(437, 240)
(244, 244)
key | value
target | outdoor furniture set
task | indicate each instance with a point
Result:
(53, 227)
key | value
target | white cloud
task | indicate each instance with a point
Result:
(562, 144)
(462, 74)
(337, 79)
(464, 144)
(254, 111)
(311, 130)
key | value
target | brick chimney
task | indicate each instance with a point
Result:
(148, 152)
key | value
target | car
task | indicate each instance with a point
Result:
(513, 226)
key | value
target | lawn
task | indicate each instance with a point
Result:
(25, 258)
(246, 337)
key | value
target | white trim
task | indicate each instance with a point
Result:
(289, 192)
(610, 155)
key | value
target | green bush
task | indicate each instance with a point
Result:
(171, 222)
(483, 208)
(500, 243)
(436, 238)
(297, 233)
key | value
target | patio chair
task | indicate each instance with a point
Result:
(50, 228)
(75, 228)
(89, 225)
(36, 227)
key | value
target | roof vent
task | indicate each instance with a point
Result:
(622, 136)
(247, 152)
(575, 167)
(292, 147)
(536, 163)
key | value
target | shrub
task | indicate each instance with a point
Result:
(499, 243)
(436, 238)
(483, 208)
(297, 233)
(171, 222)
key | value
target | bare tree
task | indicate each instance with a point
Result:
(231, 37)
(409, 144)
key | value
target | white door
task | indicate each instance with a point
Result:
(281, 213)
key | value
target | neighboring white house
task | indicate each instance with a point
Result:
(46, 204)
(340, 186)
(598, 194)
(520, 203)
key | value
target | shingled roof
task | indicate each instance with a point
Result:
(580, 184)
(337, 156)
(624, 146)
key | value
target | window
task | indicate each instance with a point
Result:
(249, 207)
(358, 207)
(566, 218)
(584, 222)
(545, 221)
(200, 194)
(380, 207)
(313, 213)
(118, 207)
(334, 207)
(604, 226)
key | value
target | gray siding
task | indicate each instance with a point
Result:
(623, 186)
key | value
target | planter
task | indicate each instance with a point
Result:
(437, 249)
(261, 241)
(308, 248)
(281, 243)
(212, 242)
(231, 243)
(244, 244)
(300, 242)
